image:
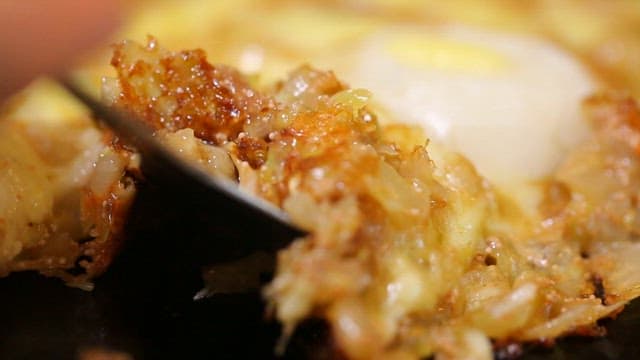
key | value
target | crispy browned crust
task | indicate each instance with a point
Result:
(214, 101)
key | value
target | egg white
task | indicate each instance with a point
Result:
(509, 103)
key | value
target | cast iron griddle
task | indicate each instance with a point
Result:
(143, 306)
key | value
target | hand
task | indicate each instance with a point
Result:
(42, 36)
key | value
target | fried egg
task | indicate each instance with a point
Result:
(511, 104)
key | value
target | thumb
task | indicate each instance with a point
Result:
(40, 36)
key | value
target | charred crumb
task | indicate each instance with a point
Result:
(490, 260)
(86, 239)
(252, 150)
(128, 181)
(598, 288)
(79, 267)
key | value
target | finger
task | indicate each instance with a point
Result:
(40, 36)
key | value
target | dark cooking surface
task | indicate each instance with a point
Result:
(143, 306)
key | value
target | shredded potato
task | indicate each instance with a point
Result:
(411, 253)
(63, 188)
